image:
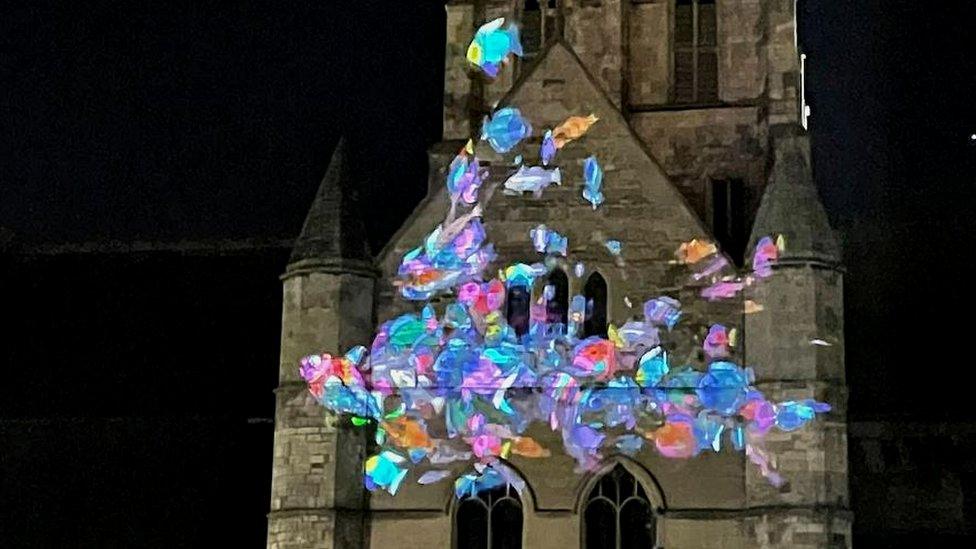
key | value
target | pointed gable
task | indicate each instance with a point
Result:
(643, 210)
(559, 86)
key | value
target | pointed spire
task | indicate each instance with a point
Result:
(791, 205)
(334, 234)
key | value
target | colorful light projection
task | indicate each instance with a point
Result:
(459, 383)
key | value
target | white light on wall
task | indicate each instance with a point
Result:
(804, 108)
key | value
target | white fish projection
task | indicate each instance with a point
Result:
(533, 180)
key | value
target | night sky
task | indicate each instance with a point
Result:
(186, 120)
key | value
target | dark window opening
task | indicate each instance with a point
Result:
(531, 30)
(557, 307)
(489, 520)
(728, 218)
(618, 514)
(595, 292)
(539, 25)
(695, 52)
(517, 309)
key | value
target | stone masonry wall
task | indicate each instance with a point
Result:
(317, 497)
(457, 84)
(698, 146)
(741, 49)
(594, 29)
(789, 367)
(649, 64)
(758, 86)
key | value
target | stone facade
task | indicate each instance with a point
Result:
(612, 58)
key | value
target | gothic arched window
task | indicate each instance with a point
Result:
(557, 307)
(595, 292)
(489, 520)
(695, 52)
(618, 514)
(517, 309)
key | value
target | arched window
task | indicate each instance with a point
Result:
(618, 514)
(595, 292)
(557, 307)
(517, 309)
(489, 520)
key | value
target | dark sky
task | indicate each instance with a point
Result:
(164, 121)
(892, 87)
(191, 120)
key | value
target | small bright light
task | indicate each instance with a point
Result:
(972, 137)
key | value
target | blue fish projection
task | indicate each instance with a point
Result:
(492, 45)
(592, 182)
(505, 129)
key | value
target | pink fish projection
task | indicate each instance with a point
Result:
(708, 265)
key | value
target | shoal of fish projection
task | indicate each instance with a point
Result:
(467, 382)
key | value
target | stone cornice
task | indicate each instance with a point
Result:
(331, 266)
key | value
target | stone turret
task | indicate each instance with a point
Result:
(317, 496)
(791, 205)
(796, 344)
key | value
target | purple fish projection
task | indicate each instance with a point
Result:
(717, 342)
(464, 178)
(722, 290)
(765, 257)
(711, 264)
(663, 311)
(456, 382)
(547, 151)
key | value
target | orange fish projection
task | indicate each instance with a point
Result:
(692, 252)
(573, 128)
(528, 447)
(676, 439)
(407, 433)
(751, 307)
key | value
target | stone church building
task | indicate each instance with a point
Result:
(701, 135)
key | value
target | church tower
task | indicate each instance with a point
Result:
(702, 135)
(796, 345)
(317, 495)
